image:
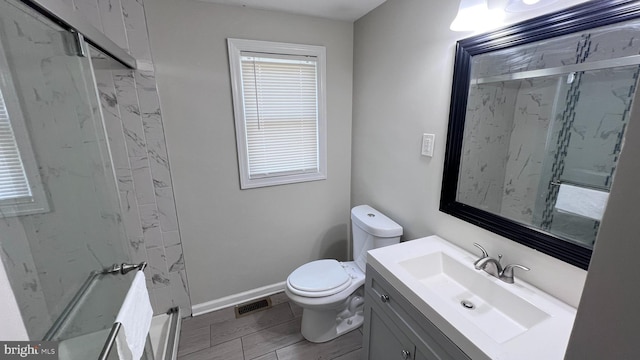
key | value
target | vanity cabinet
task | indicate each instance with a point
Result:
(395, 329)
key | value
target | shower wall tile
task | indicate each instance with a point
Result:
(180, 289)
(487, 137)
(166, 209)
(138, 250)
(152, 122)
(147, 93)
(136, 27)
(144, 183)
(130, 111)
(128, 204)
(150, 225)
(135, 131)
(153, 238)
(583, 135)
(171, 238)
(142, 180)
(149, 217)
(113, 21)
(174, 257)
(523, 174)
(111, 113)
(159, 163)
(157, 270)
(163, 299)
(89, 9)
(152, 300)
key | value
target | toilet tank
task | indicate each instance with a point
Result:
(371, 230)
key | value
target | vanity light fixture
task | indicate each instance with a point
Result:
(475, 15)
(517, 6)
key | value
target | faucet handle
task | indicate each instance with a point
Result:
(484, 252)
(507, 273)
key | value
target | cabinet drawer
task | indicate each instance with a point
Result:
(427, 337)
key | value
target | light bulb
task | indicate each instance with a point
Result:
(474, 15)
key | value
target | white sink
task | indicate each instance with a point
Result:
(495, 310)
(506, 321)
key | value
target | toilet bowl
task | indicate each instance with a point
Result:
(330, 292)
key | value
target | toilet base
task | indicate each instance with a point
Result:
(320, 325)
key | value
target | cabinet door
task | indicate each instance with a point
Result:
(386, 342)
(421, 356)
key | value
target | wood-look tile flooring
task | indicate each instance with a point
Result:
(272, 334)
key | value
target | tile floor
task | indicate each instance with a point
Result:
(272, 334)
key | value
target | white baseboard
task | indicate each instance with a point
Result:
(235, 299)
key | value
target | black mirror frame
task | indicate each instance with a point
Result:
(578, 18)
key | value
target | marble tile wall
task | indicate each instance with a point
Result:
(581, 121)
(534, 112)
(488, 126)
(134, 125)
(123, 21)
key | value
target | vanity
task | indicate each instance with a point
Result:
(425, 300)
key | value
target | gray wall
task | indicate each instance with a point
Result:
(606, 325)
(239, 240)
(403, 64)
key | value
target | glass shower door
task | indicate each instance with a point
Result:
(584, 143)
(67, 222)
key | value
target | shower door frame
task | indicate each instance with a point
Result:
(65, 16)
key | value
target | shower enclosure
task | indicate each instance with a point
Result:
(548, 116)
(60, 218)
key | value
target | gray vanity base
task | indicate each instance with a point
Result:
(395, 329)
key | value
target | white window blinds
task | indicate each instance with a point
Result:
(13, 179)
(280, 95)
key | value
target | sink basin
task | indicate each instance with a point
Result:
(494, 310)
(484, 316)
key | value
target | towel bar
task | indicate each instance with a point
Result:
(113, 334)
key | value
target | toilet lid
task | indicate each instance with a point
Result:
(319, 278)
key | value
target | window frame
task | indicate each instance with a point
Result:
(235, 49)
(37, 203)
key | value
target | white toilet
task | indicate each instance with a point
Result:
(331, 292)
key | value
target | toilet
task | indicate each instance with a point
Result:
(330, 292)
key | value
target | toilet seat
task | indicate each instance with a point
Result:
(319, 278)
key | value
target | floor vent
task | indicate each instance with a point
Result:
(254, 306)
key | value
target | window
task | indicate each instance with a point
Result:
(279, 107)
(21, 190)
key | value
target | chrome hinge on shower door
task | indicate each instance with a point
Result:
(73, 43)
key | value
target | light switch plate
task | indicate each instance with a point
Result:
(427, 144)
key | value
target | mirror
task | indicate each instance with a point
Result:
(537, 122)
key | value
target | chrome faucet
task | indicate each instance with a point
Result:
(486, 263)
(493, 267)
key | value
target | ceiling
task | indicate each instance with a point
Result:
(349, 10)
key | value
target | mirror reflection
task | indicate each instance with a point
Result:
(544, 126)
